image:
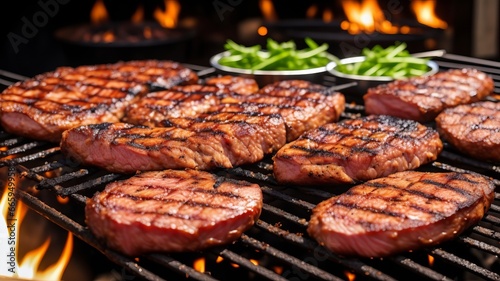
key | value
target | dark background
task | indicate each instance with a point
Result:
(42, 52)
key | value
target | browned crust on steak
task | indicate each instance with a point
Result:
(235, 84)
(473, 129)
(356, 150)
(423, 98)
(52, 102)
(172, 211)
(404, 211)
(125, 148)
(182, 101)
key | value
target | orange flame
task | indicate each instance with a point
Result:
(267, 9)
(327, 15)
(199, 265)
(425, 12)
(9, 227)
(138, 15)
(219, 259)
(350, 276)
(278, 269)
(366, 16)
(169, 17)
(431, 260)
(99, 14)
(311, 11)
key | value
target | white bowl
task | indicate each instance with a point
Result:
(364, 82)
(264, 77)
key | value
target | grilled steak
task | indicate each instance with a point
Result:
(303, 105)
(423, 98)
(44, 106)
(356, 150)
(126, 148)
(172, 211)
(259, 134)
(474, 129)
(181, 101)
(235, 84)
(404, 211)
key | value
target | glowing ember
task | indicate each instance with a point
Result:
(99, 14)
(425, 12)
(138, 15)
(350, 276)
(169, 17)
(327, 15)
(311, 11)
(219, 259)
(267, 9)
(13, 213)
(262, 31)
(431, 260)
(278, 269)
(62, 200)
(199, 265)
(366, 16)
(255, 262)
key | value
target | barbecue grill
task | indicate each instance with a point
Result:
(277, 247)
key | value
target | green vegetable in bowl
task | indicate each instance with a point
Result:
(394, 61)
(277, 56)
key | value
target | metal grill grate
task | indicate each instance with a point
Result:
(277, 247)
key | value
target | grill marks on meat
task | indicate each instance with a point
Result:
(303, 105)
(172, 211)
(356, 150)
(46, 105)
(234, 84)
(473, 129)
(423, 98)
(401, 212)
(125, 148)
(182, 101)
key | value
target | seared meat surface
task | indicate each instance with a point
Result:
(404, 211)
(356, 150)
(473, 129)
(423, 98)
(303, 105)
(235, 84)
(182, 101)
(44, 106)
(126, 148)
(172, 211)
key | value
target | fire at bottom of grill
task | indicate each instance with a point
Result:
(277, 247)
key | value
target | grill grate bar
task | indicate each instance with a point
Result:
(284, 214)
(480, 245)
(53, 182)
(280, 195)
(31, 157)
(89, 184)
(82, 233)
(177, 266)
(355, 265)
(425, 271)
(465, 264)
(487, 232)
(47, 167)
(11, 141)
(242, 261)
(289, 259)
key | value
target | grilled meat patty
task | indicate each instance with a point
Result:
(303, 105)
(44, 106)
(235, 84)
(172, 211)
(423, 98)
(404, 211)
(182, 101)
(126, 148)
(356, 150)
(473, 129)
